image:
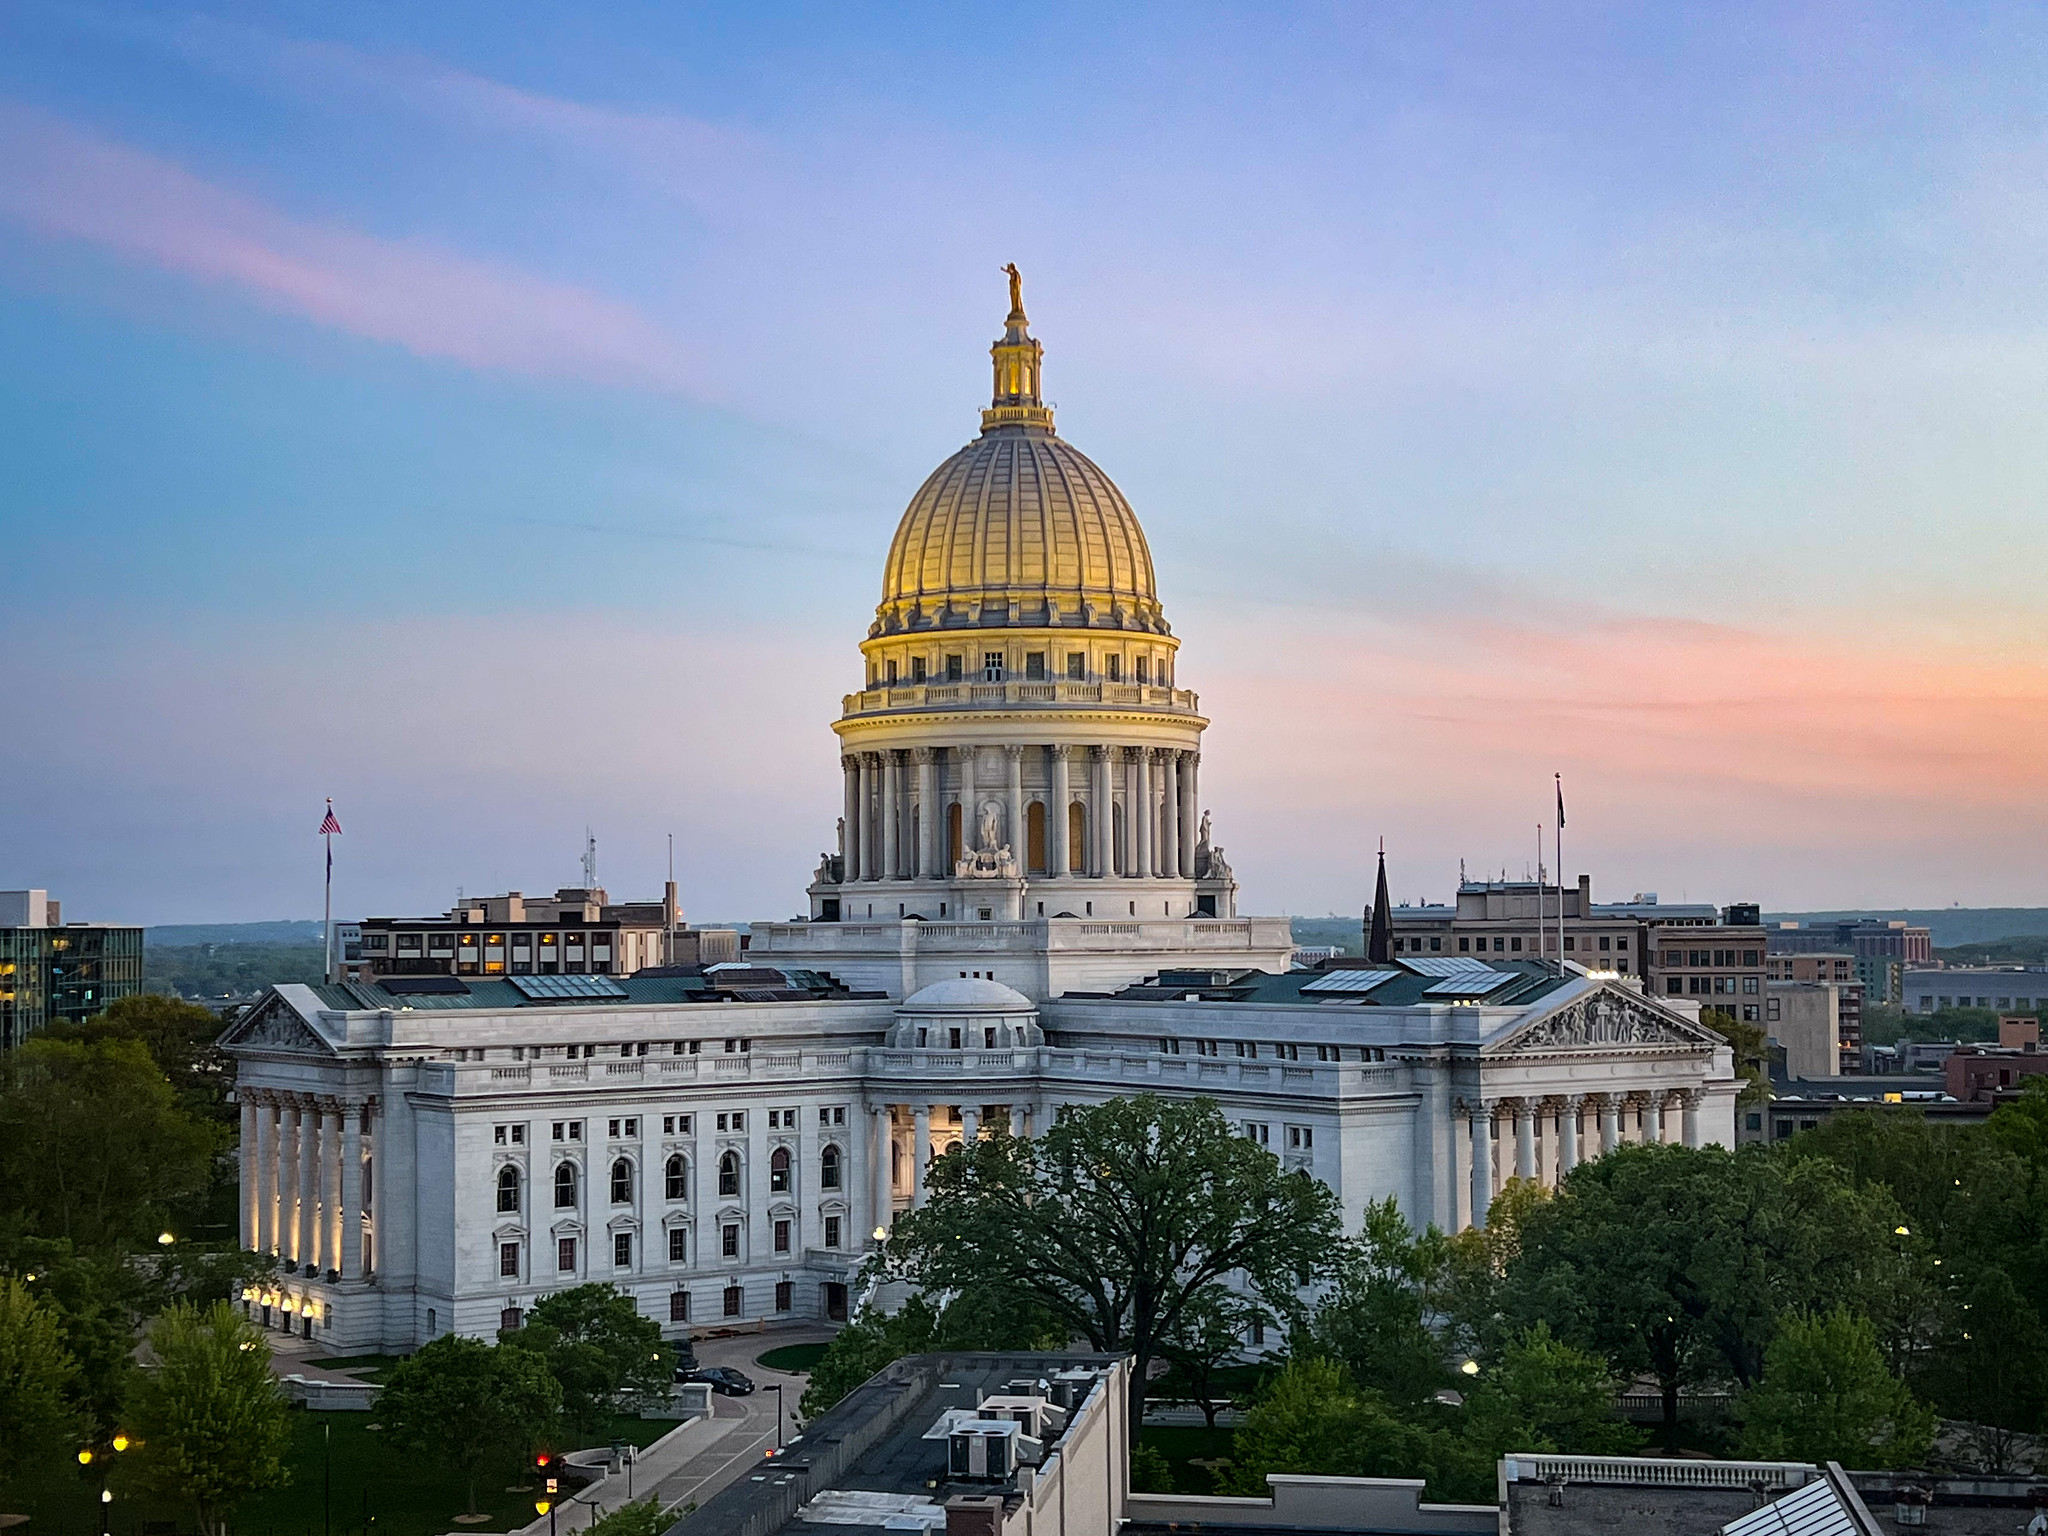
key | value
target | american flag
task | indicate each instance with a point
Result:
(328, 825)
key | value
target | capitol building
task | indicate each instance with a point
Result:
(1024, 906)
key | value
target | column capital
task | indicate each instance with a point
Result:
(1101, 754)
(1059, 750)
(1693, 1097)
(850, 762)
(923, 755)
(1479, 1109)
(1013, 751)
(1525, 1107)
(871, 759)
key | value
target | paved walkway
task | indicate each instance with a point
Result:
(289, 1354)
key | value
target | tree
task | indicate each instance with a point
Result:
(208, 1417)
(1376, 1318)
(470, 1405)
(93, 1144)
(1827, 1395)
(1119, 1219)
(601, 1350)
(38, 1424)
(99, 1302)
(1679, 1261)
(179, 1037)
(1751, 1048)
(1544, 1395)
(867, 1344)
(642, 1517)
(1210, 1333)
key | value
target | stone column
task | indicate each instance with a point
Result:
(309, 1187)
(1020, 845)
(1568, 1136)
(892, 815)
(1019, 1123)
(1482, 1161)
(330, 1185)
(1169, 813)
(970, 1122)
(351, 1261)
(1653, 1115)
(1056, 855)
(1190, 816)
(1610, 1122)
(870, 863)
(265, 1238)
(849, 832)
(920, 1151)
(288, 1181)
(880, 1147)
(1525, 1138)
(931, 821)
(1147, 816)
(250, 1220)
(1103, 812)
(1689, 1117)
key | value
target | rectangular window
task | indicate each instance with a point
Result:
(1621, 943)
(782, 1237)
(831, 1231)
(1749, 957)
(1116, 669)
(1749, 984)
(1034, 666)
(729, 1240)
(1300, 1137)
(953, 668)
(1674, 985)
(1605, 941)
(679, 1306)
(1077, 666)
(1499, 945)
(622, 1250)
(889, 673)
(500, 1133)
(1329, 1053)
(508, 1260)
(836, 1115)
(1262, 1134)
(784, 1295)
(678, 1245)
(1570, 943)
(735, 1299)
(565, 1255)
(1515, 945)
(1143, 673)
(1464, 946)
(1436, 944)
(992, 666)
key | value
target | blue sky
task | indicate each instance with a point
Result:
(495, 416)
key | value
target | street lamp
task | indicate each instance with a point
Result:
(776, 1388)
(165, 1239)
(106, 1500)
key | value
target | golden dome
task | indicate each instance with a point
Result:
(1018, 527)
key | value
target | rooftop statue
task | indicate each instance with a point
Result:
(1016, 288)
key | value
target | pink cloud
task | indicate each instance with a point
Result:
(69, 184)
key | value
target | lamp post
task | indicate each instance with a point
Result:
(106, 1508)
(326, 1479)
(776, 1388)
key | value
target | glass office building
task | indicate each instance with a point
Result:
(69, 972)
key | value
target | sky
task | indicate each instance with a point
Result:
(494, 417)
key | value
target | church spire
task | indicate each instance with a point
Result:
(1016, 400)
(1379, 937)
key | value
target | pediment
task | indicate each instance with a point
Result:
(274, 1025)
(1605, 1019)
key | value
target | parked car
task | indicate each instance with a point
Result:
(722, 1379)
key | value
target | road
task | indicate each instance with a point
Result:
(742, 1428)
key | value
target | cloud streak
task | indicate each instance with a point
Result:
(68, 184)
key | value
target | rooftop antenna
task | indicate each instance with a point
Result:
(668, 956)
(589, 860)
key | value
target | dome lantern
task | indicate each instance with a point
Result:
(1016, 401)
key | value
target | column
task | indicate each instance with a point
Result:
(931, 821)
(920, 1151)
(308, 1141)
(247, 1150)
(1019, 1124)
(265, 1238)
(1169, 813)
(1146, 816)
(330, 1186)
(1190, 815)
(870, 865)
(880, 1194)
(890, 815)
(849, 831)
(1689, 1117)
(1482, 1162)
(1610, 1122)
(1525, 1138)
(288, 1181)
(350, 1262)
(1103, 812)
(1057, 857)
(1653, 1115)
(1568, 1136)
(970, 1122)
(1020, 845)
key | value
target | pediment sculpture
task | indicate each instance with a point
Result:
(1604, 1019)
(277, 1026)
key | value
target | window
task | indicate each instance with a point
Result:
(1465, 946)
(1034, 666)
(565, 1186)
(889, 673)
(676, 1178)
(729, 1174)
(831, 1231)
(1515, 945)
(675, 1125)
(515, 1135)
(622, 1182)
(1262, 1134)
(828, 1167)
(1436, 944)
(737, 1119)
(1077, 666)
(782, 1237)
(1116, 669)
(917, 669)
(565, 1255)
(1749, 985)
(1169, 1047)
(953, 668)
(1300, 1138)
(1622, 942)
(569, 1130)
(1144, 670)
(992, 666)
(1329, 1053)
(678, 1245)
(628, 1128)
(1498, 945)
(510, 1319)
(1207, 1048)
(1749, 1012)
(778, 1171)
(729, 1240)
(1605, 941)
(735, 1298)
(508, 1260)
(836, 1115)
(508, 1188)
(1749, 957)
(622, 1250)
(1674, 985)
(1287, 1052)
(679, 1306)
(784, 1292)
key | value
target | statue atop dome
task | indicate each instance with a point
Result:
(1016, 292)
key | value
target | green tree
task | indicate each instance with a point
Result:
(1751, 1048)
(1151, 1472)
(94, 1147)
(39, 1426)
(1544, 1395)
(1827, 1395)
(869, 1342)
(1377, 1318)
(179, 1037)
(470, 1405)
(209, 1417)
(1209, 1335)
(642, 1517)
(1119, 1219)
(603, 1351)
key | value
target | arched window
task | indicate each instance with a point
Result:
(622, 1182)
(729, 1174)
(508, 1188)
(565, 1186)
(828, 1167)
(678, 1178)
(778, 1171)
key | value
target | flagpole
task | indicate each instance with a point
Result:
(1560, 875)
(327, 912)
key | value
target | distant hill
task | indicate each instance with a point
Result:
(181, 935)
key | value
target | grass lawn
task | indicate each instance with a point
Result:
(792, 1357)
(1183, 1445)
(378, 1491)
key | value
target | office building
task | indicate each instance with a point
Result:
(575, 932)
(51, 970)
(1883, 948)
